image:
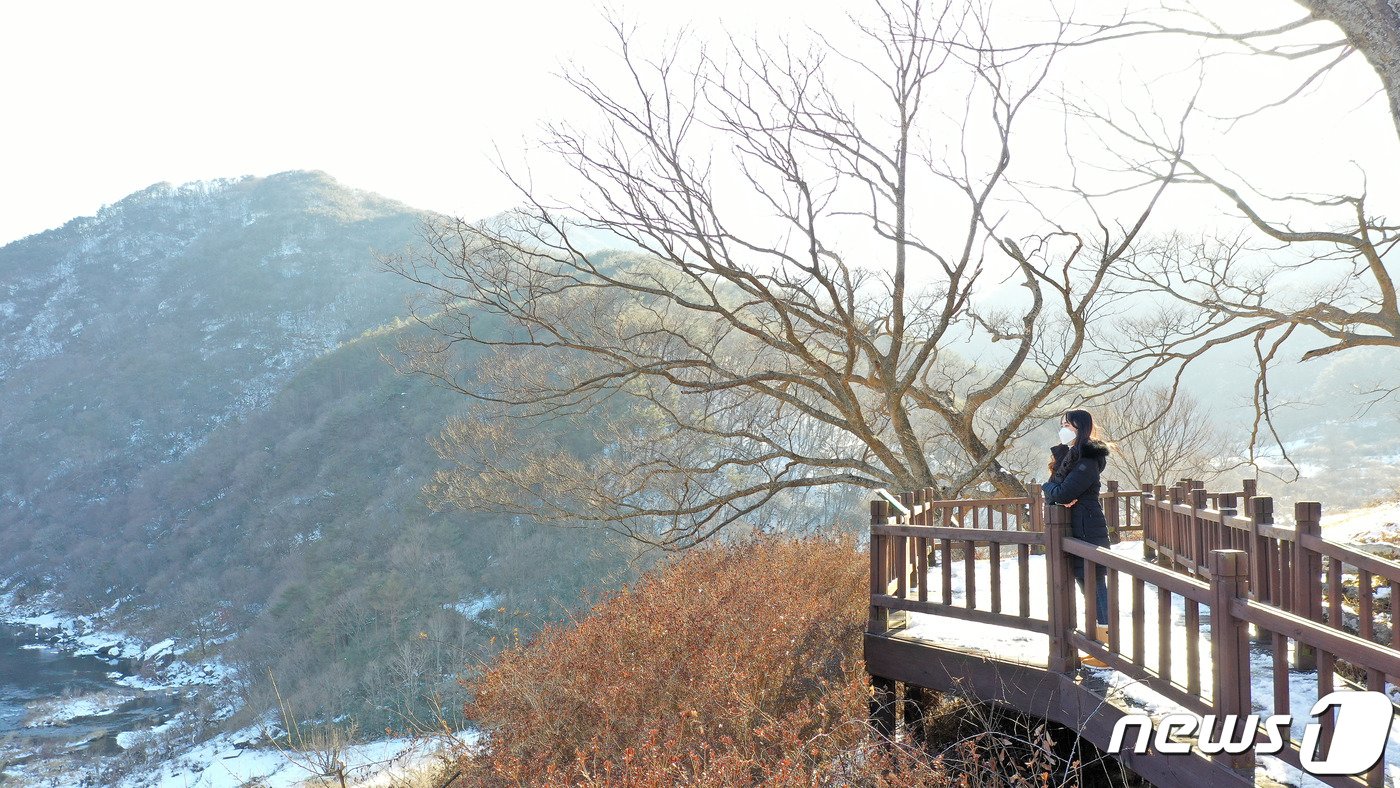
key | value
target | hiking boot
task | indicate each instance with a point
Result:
(1091, 661)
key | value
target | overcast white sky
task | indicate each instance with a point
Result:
(405, 98)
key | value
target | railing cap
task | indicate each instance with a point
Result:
(1229, 563)
(892, 500)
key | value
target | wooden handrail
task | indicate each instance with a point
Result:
(1028, 623)
(1343, 645)
(1374, 564)
(953, 533)
(1174, 582)
(1247, 571)
(1300, 592)
(892, 500)
(978, 502)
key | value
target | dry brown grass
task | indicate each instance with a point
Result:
(734, 665)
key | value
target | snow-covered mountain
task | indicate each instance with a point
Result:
(126, 337)
(200, 441)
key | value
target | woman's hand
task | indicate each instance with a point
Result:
(1071, 503)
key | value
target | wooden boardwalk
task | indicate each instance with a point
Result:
(1243, 588)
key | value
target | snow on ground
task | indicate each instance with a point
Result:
(57, 711)
(80, 635)
(1378, 523)
(90, 636)
(163, 666)
(158, 649)
(218, 763)
(474, 608)
(212, 671)
(1015, 645)
(224, 761)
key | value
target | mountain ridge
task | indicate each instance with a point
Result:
(197, 419)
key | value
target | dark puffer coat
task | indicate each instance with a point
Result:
(1081, 483)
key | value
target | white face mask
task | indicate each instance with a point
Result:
(1067, 435)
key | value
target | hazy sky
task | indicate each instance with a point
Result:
(406, 99)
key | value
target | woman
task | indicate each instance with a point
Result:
(1079, 460)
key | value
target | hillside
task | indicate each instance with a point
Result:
(204, 443)
(128, 337)
(303, 528)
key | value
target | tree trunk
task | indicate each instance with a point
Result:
(1373, 27)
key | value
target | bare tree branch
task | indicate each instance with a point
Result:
(814, 298)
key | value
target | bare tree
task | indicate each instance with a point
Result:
(1301, 270)
(1332, 32)
(319, 751)
(1322, 283)
(1327, 287)
(840, 279)
(1371, 27)
(1159, 438)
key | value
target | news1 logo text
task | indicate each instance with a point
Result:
(1358, 741)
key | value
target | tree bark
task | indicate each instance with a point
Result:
(1373, 27)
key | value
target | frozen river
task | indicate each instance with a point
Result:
(51, 701)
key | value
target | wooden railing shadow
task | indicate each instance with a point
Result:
(1218, 558)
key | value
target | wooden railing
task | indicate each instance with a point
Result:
(1291, 567)
(1220, 554)
(912, 532)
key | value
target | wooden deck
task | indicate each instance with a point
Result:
(1224, 581)
(1068, 699)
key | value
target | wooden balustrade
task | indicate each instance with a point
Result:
(1220, 556)
(1292, 568)
(905, 547)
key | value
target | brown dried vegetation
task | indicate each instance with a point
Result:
(733, 665)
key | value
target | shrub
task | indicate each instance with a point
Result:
(732, 665)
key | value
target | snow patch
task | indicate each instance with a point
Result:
(59, 711)
(1367, 524)
(474, 608)
(226, 761)
(158, 649)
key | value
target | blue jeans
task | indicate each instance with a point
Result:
(1100, 580)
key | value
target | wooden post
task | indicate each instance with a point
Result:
(1111, 510)
(1201, 542)
(878, 622)
(1261, 511)
(1037, 516)
(1060, 580)
(1258, 550)
(1251, 489)
(1179, 543)
(1229, 504)
(1149, 526)
(945, 555)
(908, 562)
(1229, 646)
(1229, 507)
(887, 573)
(922, 548)
(1037, 509)
(929, 545)
(1307, 577)
(1162, 525)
